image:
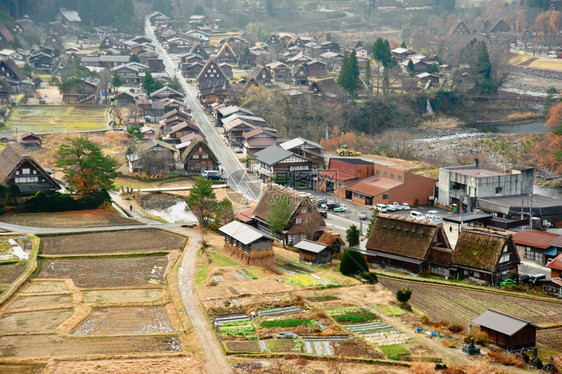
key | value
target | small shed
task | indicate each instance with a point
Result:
(313, 252)
(508, 332)
(333, 240)
(247, 245)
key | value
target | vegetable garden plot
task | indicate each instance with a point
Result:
(292, 268)
(279, 311)
(107, 272)
(9, 273)
(243, 346)
(125, 295)
(245, 274)
(303, 280)
(386, 338)
(321, 298)
(237, 328)
(319, 347)
(125, 320)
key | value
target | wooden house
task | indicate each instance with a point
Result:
(300, 76)
(18, 167)
(306, 148)
(325, 89)
(235, 130)
(508, 332)
(284, 167)
(555, 267)
(198, 157)
(281, 72)
(152, 156)
(313, 252)
(197, 49)
(180, 130)
(166, 92)
(459, 28)
(172, 118)
(226, 55)
(29, 140)
(536, 245)
(409, 244)
(485, 256)
(192, 69)
(260, 76)
(333, 240)
(84, 91)
(225, 111)
(213, 83)
(247, 245)
(304, 219)
(125, 98)
(257, 140)
(315, 68)
(130, 73)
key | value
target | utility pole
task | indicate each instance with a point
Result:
(531, 211)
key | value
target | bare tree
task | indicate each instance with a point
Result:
(501, 69)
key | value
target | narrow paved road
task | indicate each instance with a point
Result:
(245, 184)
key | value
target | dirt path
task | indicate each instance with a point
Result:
(215, 358)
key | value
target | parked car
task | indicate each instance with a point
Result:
(506, 282)
(362, 215)
(433, 215)
(405, 206)
(534, 279)
(207, 173)
(391, 208)
(238, 150)
(329, 206)
(380, 207)
(524, 278)
(340, 208)
(319, 202)
(323, 213)
(417, 215)
(397, 206)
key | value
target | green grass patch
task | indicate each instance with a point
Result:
(345, 310)
(357, 318)
(281, 345)
(222, 260)
(394, 349)
(301, 280)
(287, 323)
(201, 275)
(391, 311)
(237, 328)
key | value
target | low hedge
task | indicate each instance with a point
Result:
(57, 202)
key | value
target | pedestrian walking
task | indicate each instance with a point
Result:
(131, 207)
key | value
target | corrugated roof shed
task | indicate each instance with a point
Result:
(243, 233)
(500, 322)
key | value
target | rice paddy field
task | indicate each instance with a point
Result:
(57, 118)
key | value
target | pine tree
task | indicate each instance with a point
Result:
(403, 45)
(349, 73)
(411, 67)
(352, 235)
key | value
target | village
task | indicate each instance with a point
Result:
(217, 232)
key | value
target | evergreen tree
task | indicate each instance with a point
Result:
(134, 58)
(352, 235)
(368, 77)
(225, 212)
(349, 73)
(86, 169)
(202, 201)
(353, 262)
(411, 67)
(403, 45)
(433, 68)
(279, 214)
(27, 70)
(480, 70)
(116, 80)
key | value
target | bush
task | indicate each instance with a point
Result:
(353, 262)
(369, 276)
(455, 328)
(426, 320)
(57, 202)
(504, 358)
(403, 295)
(480, 338)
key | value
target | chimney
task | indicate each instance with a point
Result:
(476, 162)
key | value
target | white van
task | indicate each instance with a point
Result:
(415, 214)
(381, 208)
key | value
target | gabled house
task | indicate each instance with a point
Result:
(409, 244)
(173, 118)
(191, 69)
(152, 156)
(42, 62)
(197, 49)
(12, 74)
(274, 39)
(178, 131)
(485, 256)
(315, 68)
(284, 167)
(426, 78)
(500, 26)
(242, 115)
(536, 245)
(226, 55)
(166, 92)
(260, 76)
(247, 245)
(213, 83)
(198, 157)
(107, 42)
(332, 240)
(555, 267)
(325, 89)
(342, 171)
(84, 91)
(300, 76)
(130, 73)
(235, 130)
(304, 219)
(257, 140)
(125, 98)
(306, 148)
(281, 72)
(18, 167)
(459, 28)
(508, 332)
(402, 54)
(29, 140)
(199, 36)
(226, 111)
(237, 44)
(313, 253)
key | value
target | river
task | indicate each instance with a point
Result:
(508, 128)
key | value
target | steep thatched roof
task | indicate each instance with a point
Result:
(480, 248)
(271, 193)
(330, 238)
(406, 236)
(197, 140)
(12, 156)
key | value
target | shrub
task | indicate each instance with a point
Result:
(480, 338)
(57, 202)
(353, 262)
(504, 358)
(369, 276)
(455, 327)
(403, 295)
(426, 320)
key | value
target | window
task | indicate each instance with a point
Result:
(298, 167)
(535, 256)
(504, 258)
(204, 156)
(385, 197)
(25, 171)
(298, 220)
(476, 274)
(378, 172)
(384, 173)
(355, 194)
(392, 175)
(399, 177)
(499, 189)
(304, 210)
(200, 149)
(195, 156)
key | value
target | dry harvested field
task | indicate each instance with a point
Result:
(146, 240)
(123, 295)
(44, 286)
(168, 365)
(9, 273)
(437, 302)
(78, 218)
(126, 321)
(55, 345)
(107, 272)
(40, 301)
(34, 322)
